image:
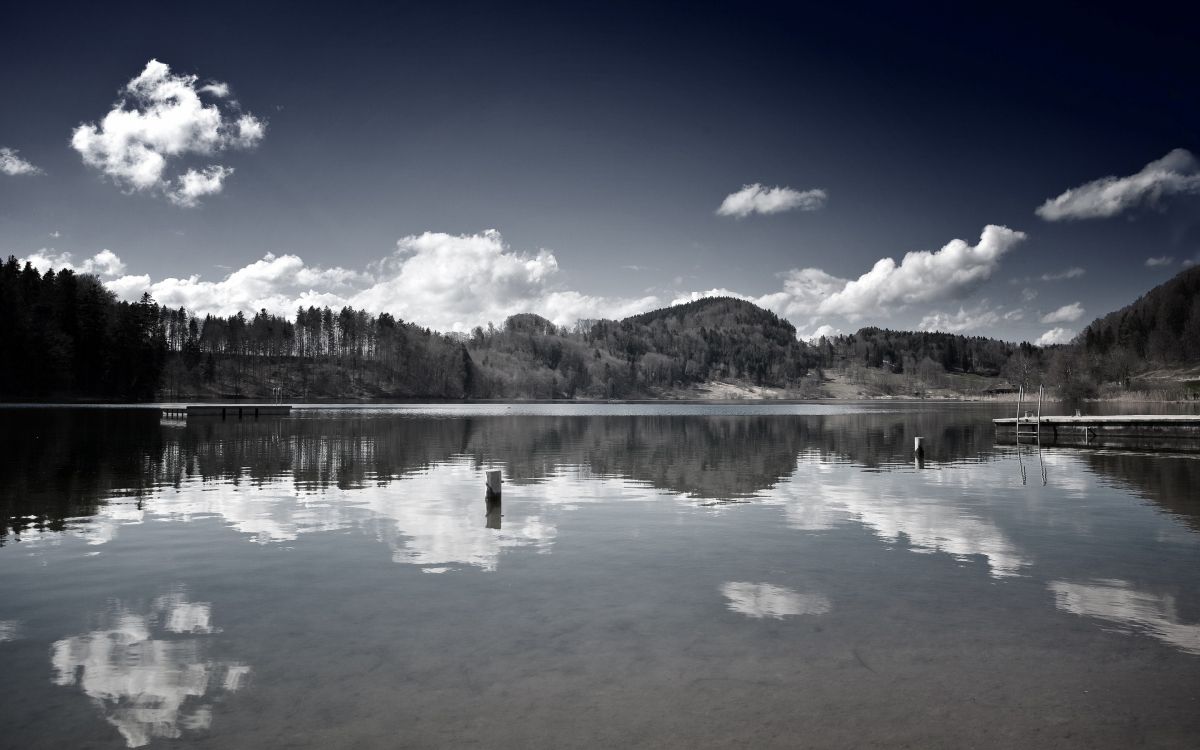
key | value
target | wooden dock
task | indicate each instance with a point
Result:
(226, 411)
(1152, 431)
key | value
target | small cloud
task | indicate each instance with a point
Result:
(13, 165)
(1028, 295)
(823, 331)
(1055, 336)
(55, 234)
(1162, 260)
(105, 263)
(1065, 314)
(216, 88)
(963, 320)
(1014, 315)
(1176, 173)
(756, 199)
(194, 184)
(1073, 272)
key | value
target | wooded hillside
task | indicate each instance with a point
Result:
(72, 339)
(1162, 326)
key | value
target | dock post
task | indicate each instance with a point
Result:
(919, 447)
(493, 483)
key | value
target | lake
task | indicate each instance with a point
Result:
(654, 576)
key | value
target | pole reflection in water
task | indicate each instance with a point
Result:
(1041, 465)
(493, 512)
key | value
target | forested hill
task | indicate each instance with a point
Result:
(68, 337)
(1161, 327)
(709, 339)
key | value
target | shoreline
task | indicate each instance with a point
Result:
(333, 401)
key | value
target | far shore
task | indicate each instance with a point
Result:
(756, 401)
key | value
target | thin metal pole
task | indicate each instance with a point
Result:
(1017, 422)
(1041, 388)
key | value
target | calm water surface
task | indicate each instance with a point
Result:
(655, 576)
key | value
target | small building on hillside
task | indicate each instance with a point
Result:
(1000, 388)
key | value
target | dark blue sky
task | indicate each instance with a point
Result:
(607, 135)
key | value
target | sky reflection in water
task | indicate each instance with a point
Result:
(786, 517)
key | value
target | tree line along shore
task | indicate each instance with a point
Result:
(66, 337)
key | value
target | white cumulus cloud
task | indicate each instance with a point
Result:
(278, 284)
(1162, 260)
(1065, 314)
(951, 273)
(161, 118)
(756, 199)
(443, 281)
(1055, 336)
(455, 282)
(1176, 173)
(12, 164)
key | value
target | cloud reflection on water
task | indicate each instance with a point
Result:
(430, 518)
(761, 600)
(148, 683)
(416, 485)
(819, 496)
(1119, 602)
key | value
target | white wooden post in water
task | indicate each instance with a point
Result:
(493, 482)
(919, 446)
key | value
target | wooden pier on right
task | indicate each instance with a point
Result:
(1144, 431)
